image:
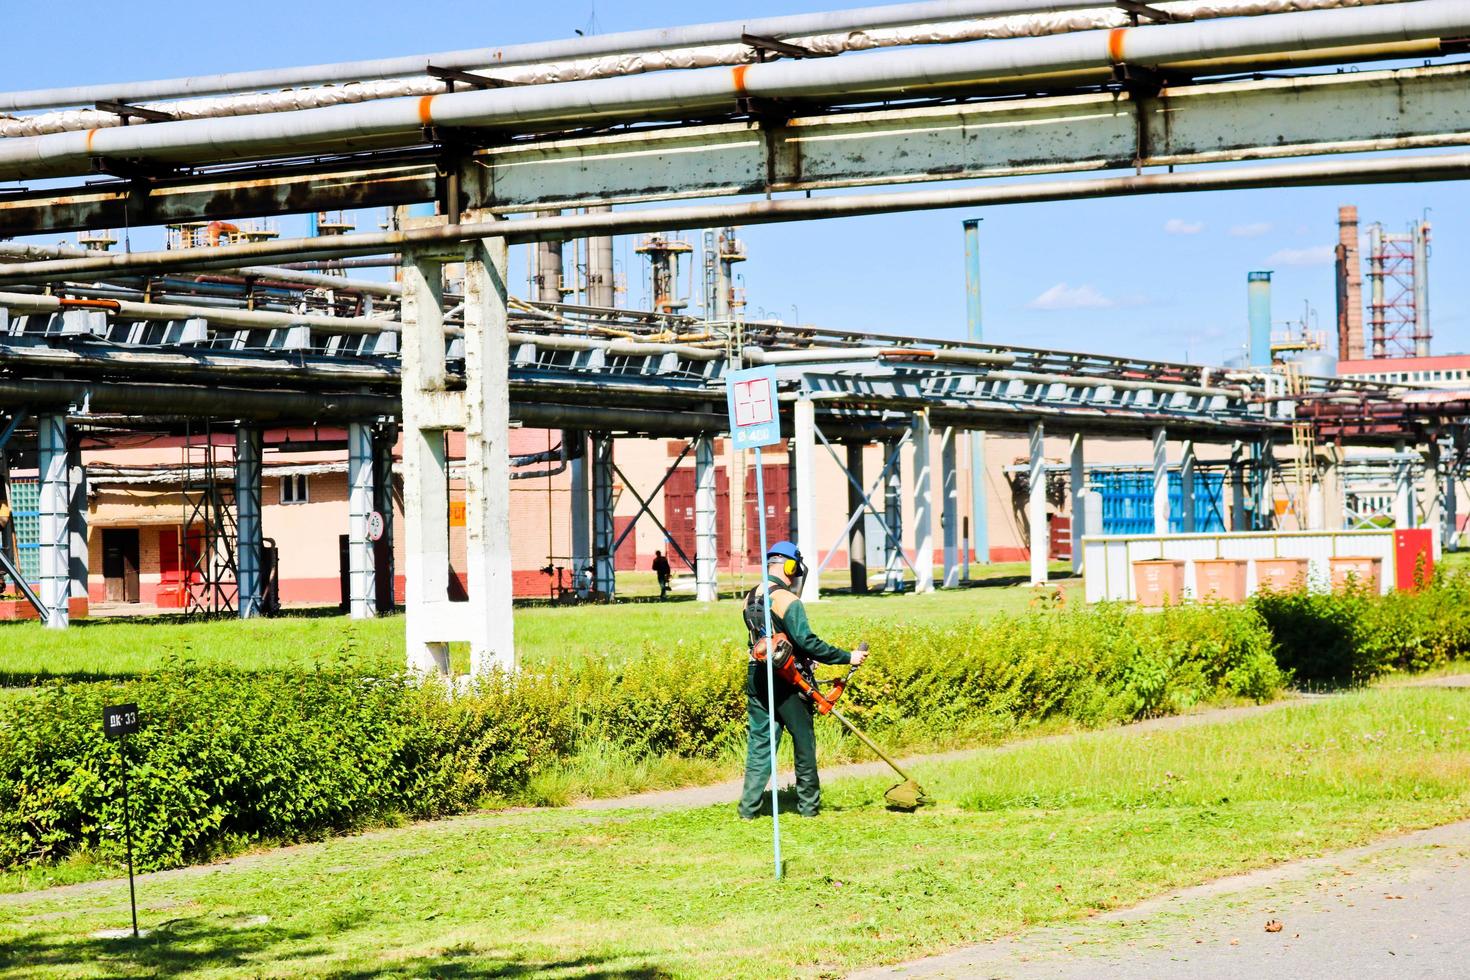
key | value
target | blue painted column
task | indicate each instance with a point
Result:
(1258, 286)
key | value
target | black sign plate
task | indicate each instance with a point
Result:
(120, 719)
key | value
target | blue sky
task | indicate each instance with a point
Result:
(1159, 277)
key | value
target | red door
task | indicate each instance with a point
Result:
(625, 559)
(679, 513)
(778, 510)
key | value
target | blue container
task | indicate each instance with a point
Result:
(1128, 501)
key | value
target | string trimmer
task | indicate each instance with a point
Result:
(907, 795)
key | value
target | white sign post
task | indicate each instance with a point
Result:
(756, 422)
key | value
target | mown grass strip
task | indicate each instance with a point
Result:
(1042, 833)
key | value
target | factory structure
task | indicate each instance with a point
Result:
(244, 421)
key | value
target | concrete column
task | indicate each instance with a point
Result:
(361, 571)
(1332, 503)
(77, 522)
(1239, 520)
(249, 540)
(548, 266)
(487, 457)
(1186, 486)
(706, 541)
(1434, 487)
(426, 402)
(1161, 481)
(1450, 526)
(604, 578)
(1264, 514)
(979, 508)
(949, 514)
(1078, 485)
(804, 445)
(55, 530)
(893, 517)
(923, 504)
(581, 506)
(1036, 506)
(857, 536)
(1403, 490)
(600, 285)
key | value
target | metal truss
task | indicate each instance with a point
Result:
(644, 507)
(890, 465)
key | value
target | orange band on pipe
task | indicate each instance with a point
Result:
(739, 75)
(68, 303)
(90, 134)
(426, 113)
(1115, 44)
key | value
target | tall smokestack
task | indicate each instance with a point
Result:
(548, 267)
(600, 285)
(1258, 288)
(1349, 286)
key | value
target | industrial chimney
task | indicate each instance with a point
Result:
(1349, 286)
(1258, 287)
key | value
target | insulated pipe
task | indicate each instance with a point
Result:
(738, 52)
(725, 32)
(192, 402)
(246, 319)
(31, 252)
(1447, 166)
(681, 94)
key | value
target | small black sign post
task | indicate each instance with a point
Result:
(117, 722)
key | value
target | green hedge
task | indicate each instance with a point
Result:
(226, 758)
(1352, 637)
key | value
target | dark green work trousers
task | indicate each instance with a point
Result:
(794, 715)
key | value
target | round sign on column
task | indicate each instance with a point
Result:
(375, 526)
(754, 420)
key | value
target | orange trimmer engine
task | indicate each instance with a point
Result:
(797, 672)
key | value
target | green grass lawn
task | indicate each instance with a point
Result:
(1042, 833)
(121, 647)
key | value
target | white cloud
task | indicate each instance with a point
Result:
(1178, 226)
(1065, 297)
(1316, 255)
(1251, 231)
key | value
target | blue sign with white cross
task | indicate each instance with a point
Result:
(755, 420)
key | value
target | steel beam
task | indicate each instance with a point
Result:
(55, 530)
(857, 533)
(581, 507)
(1186, 486)
(361, 499)
(604, 574)
(1077, 484)
(77, 521)
(249, 540)
(893, 556)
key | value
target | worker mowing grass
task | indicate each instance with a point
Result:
(794, 711)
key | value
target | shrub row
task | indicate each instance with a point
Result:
(226, 758)
(1352, 637)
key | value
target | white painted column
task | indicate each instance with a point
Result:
(979, 510)
(361, 571)
(893, 518)
(857, 535)
(706, 542)
(1161, 481)
(1036, 506)
(55, 530)
(1450, 510)
(804, 442)
(1078, 484)
(249, 540)
(1186, 486)
(604, 575)
(581, 507)
(490, 614)
(427, 405)
(1403, 490)
(77, 522)
(923, 504)
(949, 514)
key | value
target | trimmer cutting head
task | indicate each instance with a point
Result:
(907, 796)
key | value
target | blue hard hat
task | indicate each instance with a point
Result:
(784, 549)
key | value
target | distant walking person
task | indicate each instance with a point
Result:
(661, 569)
